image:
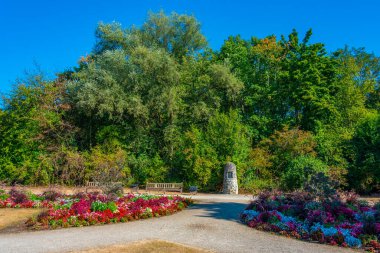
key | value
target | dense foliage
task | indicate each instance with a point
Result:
(336, 220)
(155, 103)
(84, 209)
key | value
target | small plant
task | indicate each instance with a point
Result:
(17, 196)
(34, 197)
(80, 195)
(377, 206)
(321, 186)
(81, 207)
(144, 197)
(367, 239)
(100, 206)
(61, 206)
(43, 218)
(113, 189)
(369, 223)
(3, 195)
(51, 195)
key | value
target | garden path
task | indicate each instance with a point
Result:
(212, 224)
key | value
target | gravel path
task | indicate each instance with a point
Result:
(211, 224)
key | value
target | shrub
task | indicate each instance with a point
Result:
(255, 184)
(108, 164)
(18, 196)
(146, 168)
(51, 195)
(286, 145)
(113, 189)
(321, 186)
(300, 170)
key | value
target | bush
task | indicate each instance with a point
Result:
(113, 189)
(253, 184)
(321, 186)
(108, 164)
(300, 170)
(18, 196)
(145, 168)
(51, 195)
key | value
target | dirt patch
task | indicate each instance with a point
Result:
(13, 220)
(199, 226)
(151, 246)
(74, 190)
(371, 200)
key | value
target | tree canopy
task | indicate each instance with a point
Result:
(155, 103)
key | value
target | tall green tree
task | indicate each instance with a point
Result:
(364, 171)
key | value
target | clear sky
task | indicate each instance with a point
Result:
(54, 34)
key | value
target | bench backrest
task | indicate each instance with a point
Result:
(164, 185)
(95, 184)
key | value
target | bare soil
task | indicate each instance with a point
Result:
(147, 246)
(371, 200)
(76, 189)
(13, 219)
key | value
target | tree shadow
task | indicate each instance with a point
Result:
(221, 210)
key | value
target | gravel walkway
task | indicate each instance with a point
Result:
(211, 224)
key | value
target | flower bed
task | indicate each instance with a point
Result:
(90, 209)
(347, 221)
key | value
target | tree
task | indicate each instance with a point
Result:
(198, 160)
(154, 103)
(364, 173)
(179, 35)
(308, 81)
(286, 145)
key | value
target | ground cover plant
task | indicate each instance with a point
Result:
(340, 219)
(84, 209)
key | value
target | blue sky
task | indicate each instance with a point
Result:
(54, 34)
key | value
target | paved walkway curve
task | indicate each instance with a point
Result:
(211, 224)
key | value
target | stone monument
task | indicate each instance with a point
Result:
(230, 184)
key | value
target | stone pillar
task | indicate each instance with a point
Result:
(230, 184)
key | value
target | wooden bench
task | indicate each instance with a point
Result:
(165, 187)
(93, 185)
